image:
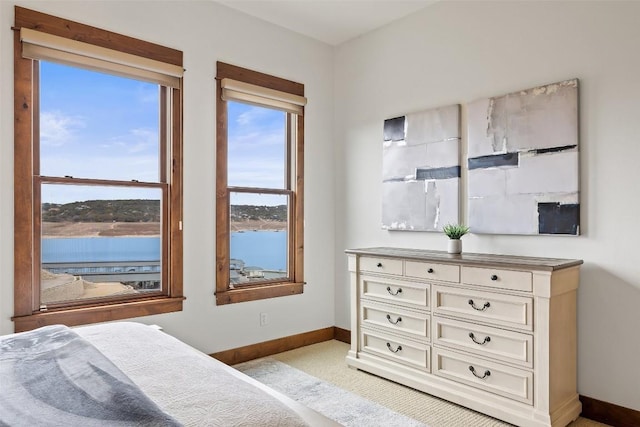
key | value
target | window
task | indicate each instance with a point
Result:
(98, 174)
(259, 185)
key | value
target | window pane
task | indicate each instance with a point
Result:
(259, 231)
(257, 146)
(95, 125)
(99, 241)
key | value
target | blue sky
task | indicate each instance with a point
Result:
(95, 125)
(256, 152)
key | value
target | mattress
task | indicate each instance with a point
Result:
(194, 388)
(49, 378)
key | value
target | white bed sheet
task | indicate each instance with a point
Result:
(191, 386)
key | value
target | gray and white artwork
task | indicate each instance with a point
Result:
(421, 170)
(523, 162)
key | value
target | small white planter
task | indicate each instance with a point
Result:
(455, 246)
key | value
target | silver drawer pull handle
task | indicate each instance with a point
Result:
(487, 373)
(392, 350)
(399, 319)
(399, 291)
(484, 307)
(473, 338)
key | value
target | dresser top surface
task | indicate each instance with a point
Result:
(493, 260)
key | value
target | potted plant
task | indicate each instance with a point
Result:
(455, 232)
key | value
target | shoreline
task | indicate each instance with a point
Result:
(52, 230)
(93, 236)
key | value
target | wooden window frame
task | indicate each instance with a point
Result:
(27, 313)
(263, 289)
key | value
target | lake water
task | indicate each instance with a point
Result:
(100, 249)
(266, 249)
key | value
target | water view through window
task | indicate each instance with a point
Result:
(258, 220)
(98, 248)
(258, 238)
(98, 239)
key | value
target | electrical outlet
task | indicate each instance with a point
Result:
(264, 319)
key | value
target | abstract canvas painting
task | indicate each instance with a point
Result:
(421, 170)
(523, 162)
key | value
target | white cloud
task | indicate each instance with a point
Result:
(131, 156)
(252, 115)
(57, 129)
(143, 139)
(257, 139)
(147, 93)
(263, 173)
(136, 141)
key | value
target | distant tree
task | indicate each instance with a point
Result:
(103, 211)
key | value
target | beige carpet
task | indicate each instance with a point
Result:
(326, 361)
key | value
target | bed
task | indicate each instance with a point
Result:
(130, 374)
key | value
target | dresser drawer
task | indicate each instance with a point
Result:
(494, 343)
(432, 271)
(495, 278)
(505, 381)
(395, 319)
(395, 291)
(502, 310)
(381, 265)
(396, 348)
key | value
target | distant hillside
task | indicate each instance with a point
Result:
(144, 211)
(103, 211)
(252, 212)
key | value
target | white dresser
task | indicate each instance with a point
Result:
(494, 333)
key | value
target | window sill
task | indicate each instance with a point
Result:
(100, 313)
(232, 296)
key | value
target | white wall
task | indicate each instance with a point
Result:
(456, 52)
(206, 32)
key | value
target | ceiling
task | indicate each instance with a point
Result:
(330, 21)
